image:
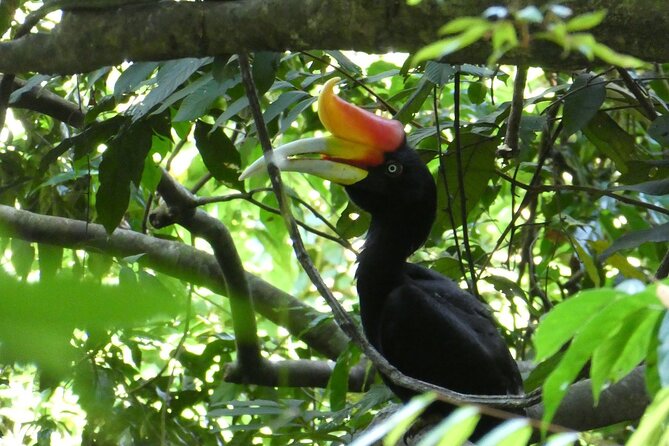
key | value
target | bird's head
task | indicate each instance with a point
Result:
(366, 153)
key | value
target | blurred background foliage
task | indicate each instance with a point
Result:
(570, 223)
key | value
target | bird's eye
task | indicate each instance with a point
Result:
(393, 168)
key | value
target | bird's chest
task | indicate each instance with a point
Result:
(373, 292)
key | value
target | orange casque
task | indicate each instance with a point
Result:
(373, 134)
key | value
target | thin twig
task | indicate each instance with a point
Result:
(461, 186)
(547, 142)
(442, 172)
(645, 103)
(249, 196)
(586, 189)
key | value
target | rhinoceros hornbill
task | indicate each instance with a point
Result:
(420, 321)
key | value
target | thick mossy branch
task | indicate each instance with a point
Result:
(87, 39)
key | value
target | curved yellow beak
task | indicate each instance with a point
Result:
(359, 140)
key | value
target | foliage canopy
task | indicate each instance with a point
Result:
(552, 205)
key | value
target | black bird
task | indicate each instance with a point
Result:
(420, 321)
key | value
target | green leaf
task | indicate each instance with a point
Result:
(438, 73)
(35, 82)
(37, 320)
(478, 163)
(587, 339)
(615, 58)
(663, 351)
(122, 163)
(50, 259)
(197, 101)
(344, 62)
(23, 255)
(234, 108)
(659, 130)
(584, 98)
(567, 318)
(623, 350)
(448, 46)
(284, 101)
(656, 187)
(652, 425)
(504, 39)
(296, 111)
(219, 154)
(634, 239)
(462, 24)
(588, 263)
(265, 65)
(395, 425)
(514, 432)
(562, 439)
(168, 78)
(133, 77)
(338, 382)
(453, 430)
(506, 286)
(586, 21)
(353, 222)
(415, 102)
(610, 139)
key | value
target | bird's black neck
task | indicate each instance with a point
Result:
(382, 262)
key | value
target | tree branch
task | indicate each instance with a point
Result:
(180, 261)
(44, 101)
(301, 373)
(180, 209)
(624, 401)
(87, 39)
(516, 110)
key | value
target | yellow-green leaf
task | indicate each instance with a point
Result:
(586, 21)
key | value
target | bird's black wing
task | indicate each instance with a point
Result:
(432, 330)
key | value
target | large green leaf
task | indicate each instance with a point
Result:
(122, 163)
(265, 65)
(415, 101)
(659, 130)
(663, 351)
(338, 382)
(514, 432)
(587, 339)
(353, 222)
(284, 101)
(132, 77)
(653, 424)
(395, 426)
(611, 140)
(453, 430)
(37, 320)
(636, 238)
(655, 187)
(478, 164)
(219, 154)
(168, 78)
(197, 101)
(584, 98)
(567, 318)
(624, 350)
